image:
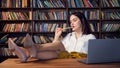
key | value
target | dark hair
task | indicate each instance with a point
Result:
(85, 25)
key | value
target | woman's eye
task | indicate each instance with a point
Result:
(74, 20)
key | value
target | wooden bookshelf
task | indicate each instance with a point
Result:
(41, 17)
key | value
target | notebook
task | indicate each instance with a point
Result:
(102, 51)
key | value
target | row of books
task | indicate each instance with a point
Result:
(20, 39)
(57, 3)
(48, 3)
(49, 15)
(82, 3)
(90, 15)
(46, 15)
(39, 27)
(6, 52)
(48, 27)
(40, 39)
(27, 27)
(15, 3)
(94, 26)
(17, 27)
(111, 15)
(56, 15)
(110, 27)
(15, 15)
(110, 3)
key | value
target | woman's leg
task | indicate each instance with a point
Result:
(56, 46)
(44, 55)
(28, 44)
(43, 51)
(17, 50)
(49, 50)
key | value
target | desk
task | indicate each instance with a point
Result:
(55, 63)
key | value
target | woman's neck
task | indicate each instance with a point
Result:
(78, 34)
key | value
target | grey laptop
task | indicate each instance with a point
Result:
(102, 51)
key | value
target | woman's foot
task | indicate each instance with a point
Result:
(29, 45)
(17, 50)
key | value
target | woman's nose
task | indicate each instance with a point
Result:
(72, 23)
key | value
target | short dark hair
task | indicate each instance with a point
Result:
(85, 25)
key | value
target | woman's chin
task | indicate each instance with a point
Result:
(73, 30)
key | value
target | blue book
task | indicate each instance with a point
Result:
(44, 27)
(77, 3)
(69, 3)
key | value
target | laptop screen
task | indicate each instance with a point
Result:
(103, 50)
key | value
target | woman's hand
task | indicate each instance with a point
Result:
(58, 33)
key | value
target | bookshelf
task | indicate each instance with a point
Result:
(39, 18)
(110, 17)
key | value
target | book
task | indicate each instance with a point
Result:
(4, 39)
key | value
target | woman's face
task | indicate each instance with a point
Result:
(75, 23)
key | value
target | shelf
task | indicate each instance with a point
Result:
(109, 32)
(111, 8)
(109, 20)
(14, 32)
(12, 21)
(7, 9)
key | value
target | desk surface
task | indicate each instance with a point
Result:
(55, 63)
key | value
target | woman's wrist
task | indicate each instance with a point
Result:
(56, 39)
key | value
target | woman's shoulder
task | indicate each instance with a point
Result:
(90, 36)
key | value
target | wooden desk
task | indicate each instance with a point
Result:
(56, 63)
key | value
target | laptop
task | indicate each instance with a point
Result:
(102, 51)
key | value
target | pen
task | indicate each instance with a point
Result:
(67, 28)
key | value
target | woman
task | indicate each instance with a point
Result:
(76, 41)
